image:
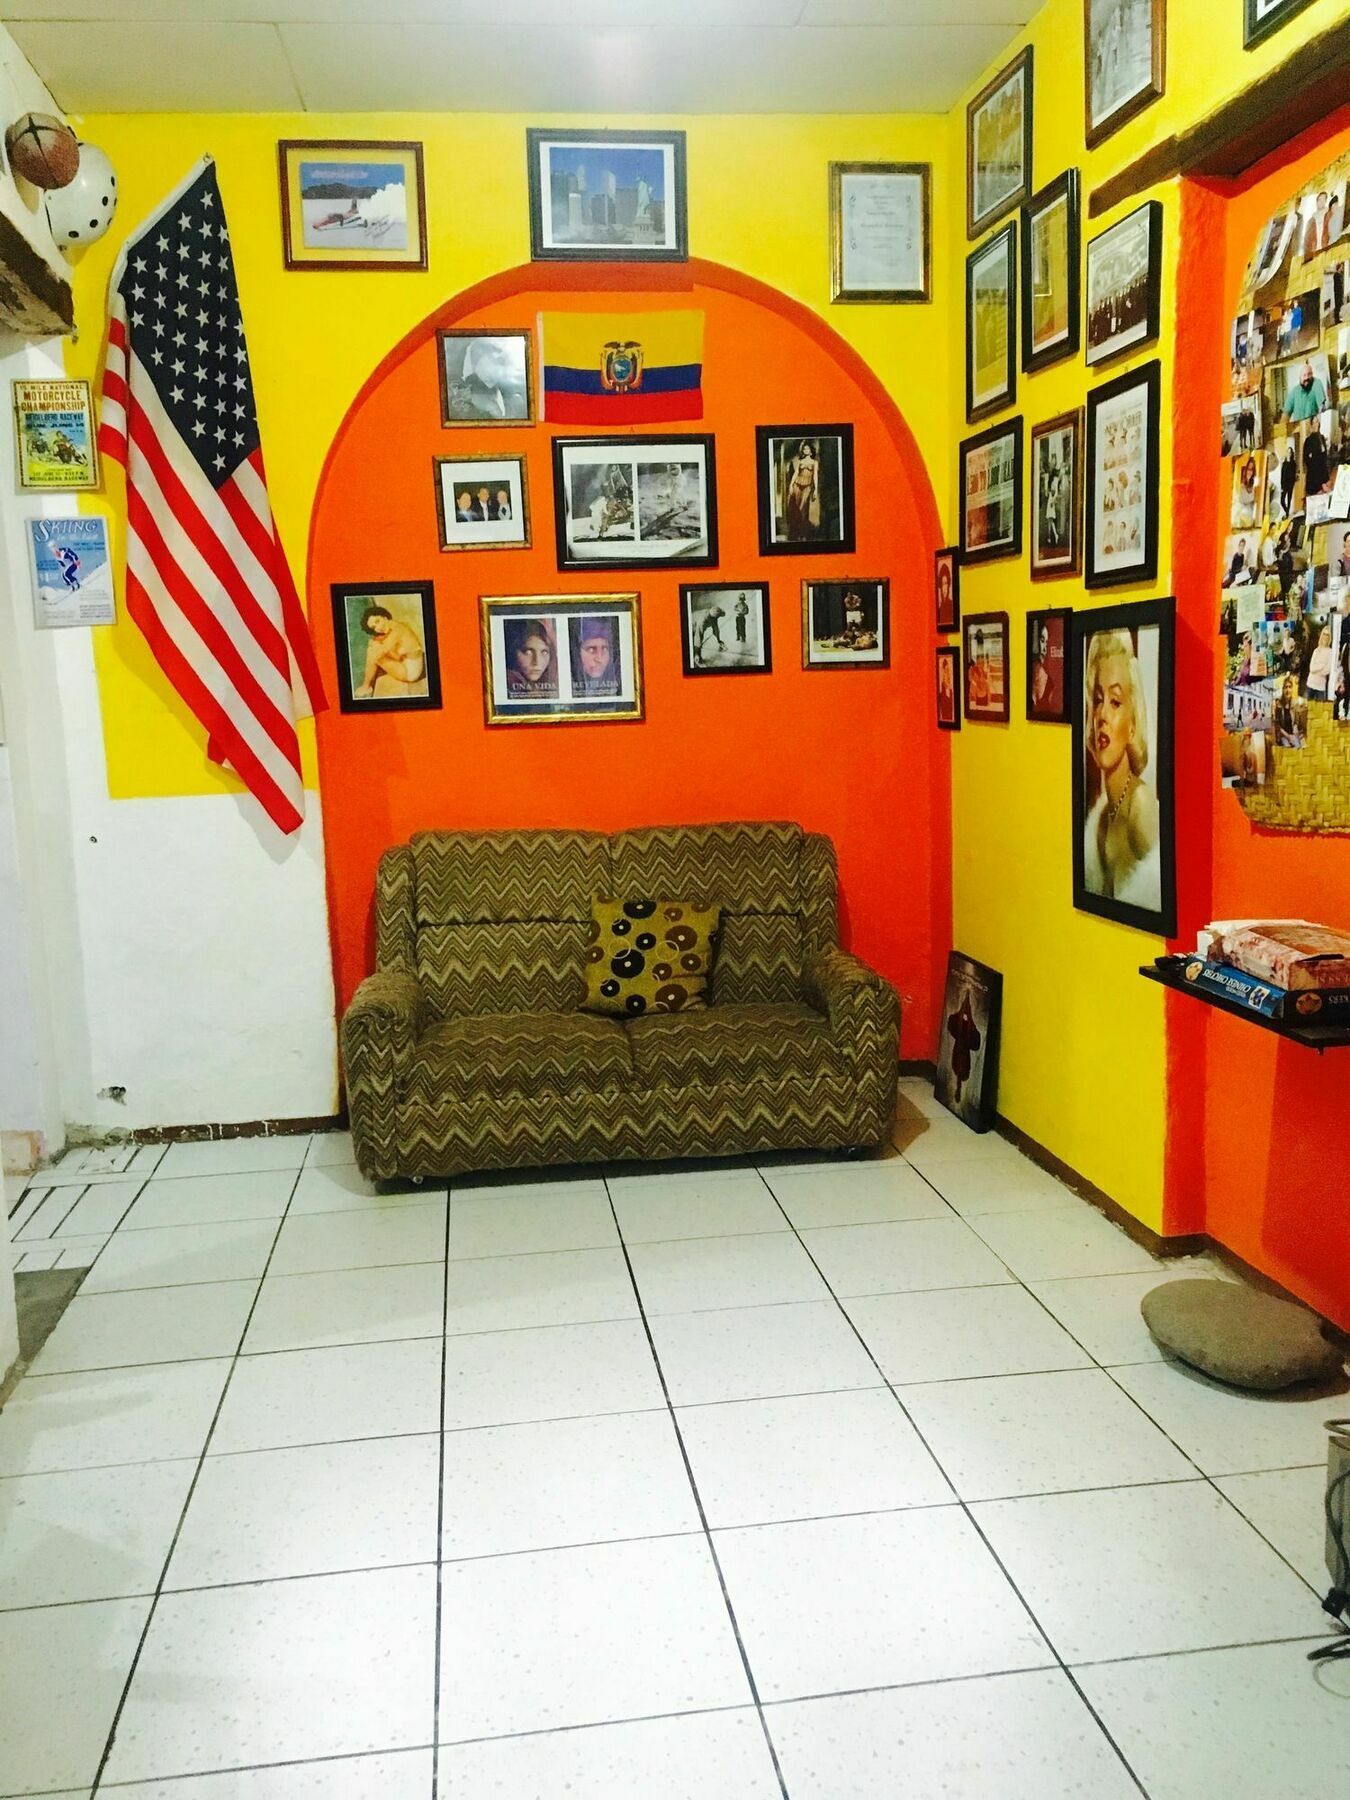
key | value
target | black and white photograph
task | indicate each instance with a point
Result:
(1124, 864)
(726, 628)
(629, 502)
(966, 1082)
(1122, 478)
(553, 658)
(607, 196)
(804, 475)
(1057, 489)
(1262, 17)
(486, 378)
(1124, 46)
(991, 324)
(482, 502)
(998, 145)
(1124, 284)
(846, 624)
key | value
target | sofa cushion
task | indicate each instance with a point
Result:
(1238, 1335)
(520, 1053)
(732, 1044)
(648, 956)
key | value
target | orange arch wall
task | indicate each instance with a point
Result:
(854, 753)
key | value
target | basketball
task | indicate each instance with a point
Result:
(43, 150)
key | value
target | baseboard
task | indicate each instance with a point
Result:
(918, 1068)
(179, 1134)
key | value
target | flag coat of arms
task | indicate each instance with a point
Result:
(639, 368)
(207, 581)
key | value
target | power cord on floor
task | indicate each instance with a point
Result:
(1338, 1598)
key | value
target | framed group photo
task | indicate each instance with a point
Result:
(1057, 497)
(804, 475)
(998, 145)
(1124, 54)
(985, 664)
(1124, 284)
(348, 204)
(991, 324)
(948, 670)
(879, 232)
(482, 502)
(486, 377)
(725, 628)
(1050, 257)
(846, 624)
(1121, 522)
(384, 635)
(991, 493)
(607, 196)
(630, 502)
(1048, 634)
(947, 588)
(553, 658)
(1121, 708)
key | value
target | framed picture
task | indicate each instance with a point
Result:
(998, 146)
(72, 572)
(607, 196)
(1120, 704)
(1124, 284)
(846, 624)
(1051, 251)
(991, 493)
(725, 628)
(1122, 478)
(347, 204)
(985, 663)
(948, 687)
(1262, 17)
(1048, 635)
(991, 324)
(482, 502)
(487, 377)
(967, 1063)
(879, 232)
(1057, 496)
(947, 588)
(56, 446)
(805, 481)
(553, 658)
(1124, 55)
(629, 502)
(384, 633)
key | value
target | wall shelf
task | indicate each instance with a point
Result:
(1167, 973)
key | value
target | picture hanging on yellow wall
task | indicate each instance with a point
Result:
(998, 145)
(607, 196)
(879, 232)
(1050, 259)
(991, 324)
(1057, 496)
(347, 204)
(991, 493)
(1262, 17)
(1124, 52)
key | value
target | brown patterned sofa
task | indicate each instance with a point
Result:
(466, 1049)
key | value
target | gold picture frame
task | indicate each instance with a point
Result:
(559, 659)
(875, 232)
(483, 525)
(350, 203)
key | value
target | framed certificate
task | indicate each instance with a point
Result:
(879, 230)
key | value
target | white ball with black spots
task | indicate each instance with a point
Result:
(83, 210)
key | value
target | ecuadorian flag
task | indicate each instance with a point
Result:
(636, 368)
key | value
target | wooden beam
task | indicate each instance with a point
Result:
(34, 300)
(1308, 86)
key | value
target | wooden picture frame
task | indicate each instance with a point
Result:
(1120, 514)
(833, 611)
(983, 210)
(1098, 125)
(1054, 212)
(656, 158)
(372, 166)
(1056, 509)
(800, 515)
(991, 464)
(947, 605)
(613, 537)
(991, 325)
(879, 225)
(726, 595)
(1257, 27)
(1049, 637)
(499, 395)
(947, 692)
(409, 606)
(533, 648)
(1124, 285)
(965, 1080)
(984, 698)
(482, 526)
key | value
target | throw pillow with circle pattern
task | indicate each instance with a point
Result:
(648, 956)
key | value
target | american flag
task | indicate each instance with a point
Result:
(207, 580)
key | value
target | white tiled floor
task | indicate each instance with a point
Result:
(834, 1481)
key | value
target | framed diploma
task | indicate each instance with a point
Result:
(879, 231)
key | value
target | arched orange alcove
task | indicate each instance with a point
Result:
(854, 753)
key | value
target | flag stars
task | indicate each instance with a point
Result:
(198, 430)
(175, 392)
(161, 243)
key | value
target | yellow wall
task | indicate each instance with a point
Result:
(758, 202)
(1083, 1065)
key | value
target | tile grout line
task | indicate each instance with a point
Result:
(751, 1683)
(440, 1516)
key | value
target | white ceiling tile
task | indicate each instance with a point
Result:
(168, 67)
(572, 15)
(1012, 13)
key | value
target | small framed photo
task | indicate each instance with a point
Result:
(1125, 61)
(1051, 253)
(991, 324)
(998, 145)
(879, 232)
(1048, 634)
(1121, 709)
(482, 502)
(991, 493)
(947, 588)
(487, 377)
(1057, 496)
(630, 502)
(1124, 284)
(726, 628)
(607, 196)
(805, 480)
(352, 205)
(1263, 17)
(985, 662)
(553, 658)
(966, 1082)
(948, 687)
(72, 572)
(56, 445)
(384, 633)
(1122, 478)
(846, 624)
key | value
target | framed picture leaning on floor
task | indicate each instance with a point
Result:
(971, 1022)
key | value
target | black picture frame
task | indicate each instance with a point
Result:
(948, 558)
(1041, 564)
(974, 625)
(970, 1027)
(378, 592)
(1255, 30)
(1129, 619)
(948, 656)
(771, 543)
(984, 548)
(537, 138)
(1001, 246)
(1147, 381)
(1023, 66)
(1100, 344)
(1062, 190)
(1096, 131)
(1059, 619)
(689, 649)
(621, 449)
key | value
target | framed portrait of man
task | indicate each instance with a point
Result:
(946, 588)
(805, 482)
(998, 145)
(487, 377)
(966, 1082)
(482, 502)
(384, 634)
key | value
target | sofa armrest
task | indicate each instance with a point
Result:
(854, 998)
(379, 1031)
(388, 1002)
